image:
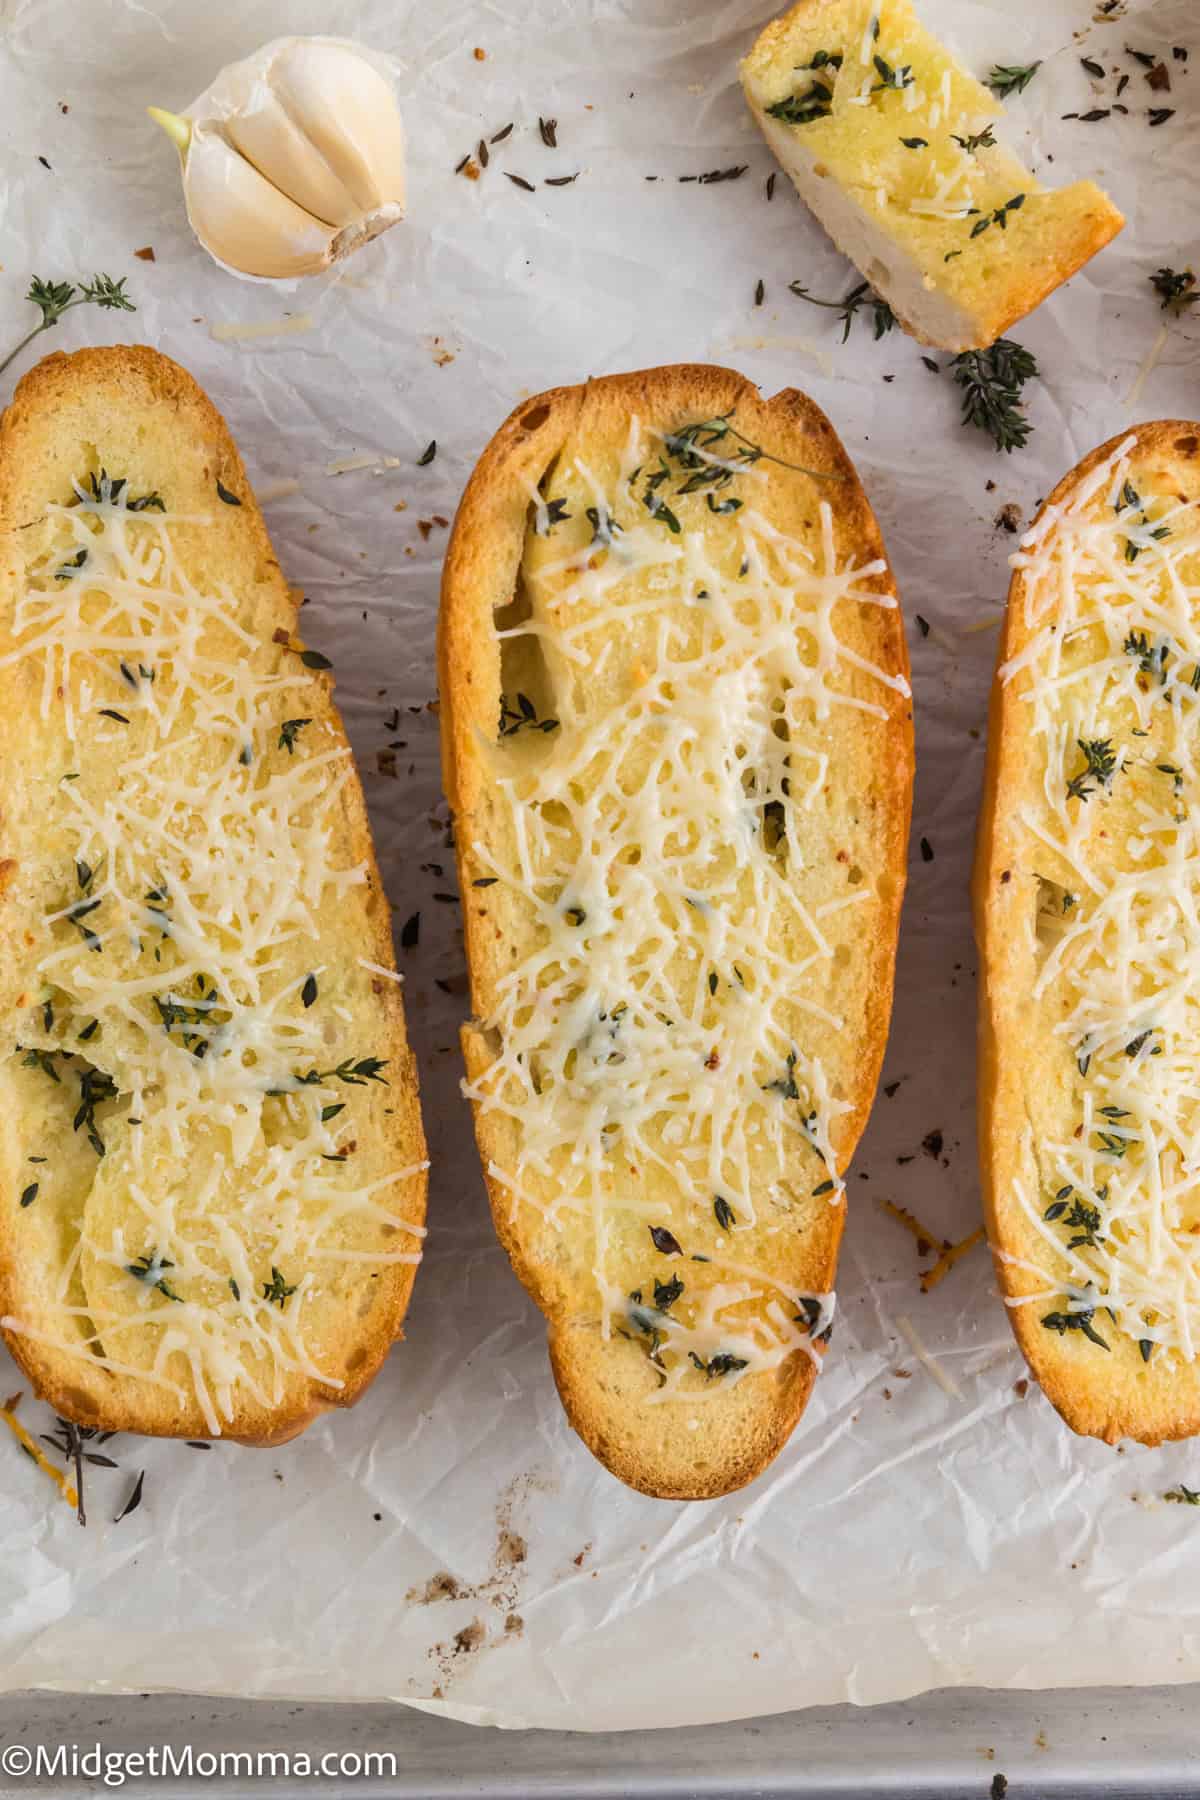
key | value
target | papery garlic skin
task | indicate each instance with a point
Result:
(293, 158)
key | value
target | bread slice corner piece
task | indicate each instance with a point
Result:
(677, 741)
(1086, 882)
(890, 142)
(212, 1178)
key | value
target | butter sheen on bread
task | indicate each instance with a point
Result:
(677, 741)
(211, 1154)
(1087, 899)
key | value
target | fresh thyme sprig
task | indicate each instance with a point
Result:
(1176, 290)
(353, 1073)
(883, 318)
(54, 298)
(991, 381)
(723, 1363)
(151, 1270)
(816, 102)
(1100, 765)
(1012, 78)
(277, 1291)
(1062, 1322)
(891, 78)
(95, 1085)
(524, 714)
(976, 141)
(704, 457)
(69, 1441)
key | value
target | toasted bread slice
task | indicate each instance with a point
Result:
(1087, 887)
(677, 740)
(889, 141)
(211, 1160)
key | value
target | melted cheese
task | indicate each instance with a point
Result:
(1112, 661)
(182, 966)
(655, 1049)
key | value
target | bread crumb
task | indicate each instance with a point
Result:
(470, 1637)
(480, 55)
(514, 1625)
(442, 1586)
(511, 1549)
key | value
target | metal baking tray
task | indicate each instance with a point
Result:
(1068, 1745)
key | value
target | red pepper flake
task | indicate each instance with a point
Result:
(480, 55)
(146, 254)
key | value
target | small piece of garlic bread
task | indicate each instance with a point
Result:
(890, 142)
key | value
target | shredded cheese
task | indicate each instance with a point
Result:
(1110, 676)
(653, 1050)
(179, 971)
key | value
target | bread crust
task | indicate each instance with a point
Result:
(1110, 1396)
(140, 378)
(602, 1381)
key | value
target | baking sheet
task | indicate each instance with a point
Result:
(450, 1543)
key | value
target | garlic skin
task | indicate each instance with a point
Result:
(293, 158)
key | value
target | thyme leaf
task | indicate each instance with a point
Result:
(1006, 79)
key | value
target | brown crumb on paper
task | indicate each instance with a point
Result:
(442, 1586)
(511, 1549)
(470, 1637)
(146, 254)
(514, 1625)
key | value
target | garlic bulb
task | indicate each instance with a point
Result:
(293, 157)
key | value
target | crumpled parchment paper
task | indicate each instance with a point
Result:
(450, 1543)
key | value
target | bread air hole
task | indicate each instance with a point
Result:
(526, 715)
(1055, 905)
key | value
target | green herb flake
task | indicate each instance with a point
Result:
(1005, 80)
(289, 731)
(277, 1290)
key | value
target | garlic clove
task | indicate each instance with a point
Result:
(338, 119)
(292, 158)
(243, 220)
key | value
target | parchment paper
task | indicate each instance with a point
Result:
(913, 1534)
